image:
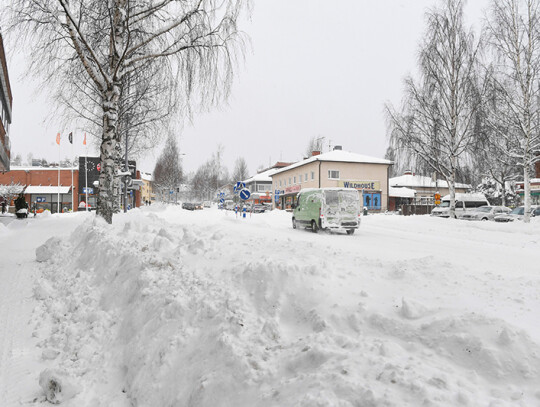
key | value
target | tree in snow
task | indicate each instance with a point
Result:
(240, 172)
(112, 40)
(513, 29)
(314, 144)
(437, 121)
(210, 176)
(168, 169)
(8, 192)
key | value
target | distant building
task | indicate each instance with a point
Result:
(41, 187)
(147, 193)
(6, 101)
(260, 185)
(424, 189)
(337, 168)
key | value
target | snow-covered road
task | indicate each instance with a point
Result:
(169, 307)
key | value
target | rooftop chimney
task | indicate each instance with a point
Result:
(338, 148)
(314, 153)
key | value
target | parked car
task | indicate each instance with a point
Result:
(189, 206)
(207, 204)
(327, 208)
(229, 205)
(258, 208)
(518, 214)
(267, 206)
(485, 213)
(464, 203)
(198, 205)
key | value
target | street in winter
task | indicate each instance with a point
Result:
(276, 203)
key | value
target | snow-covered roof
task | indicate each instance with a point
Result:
(263, 176)
(146, 176)
(475, 196)
(39, 189)
(420, 181)
(337, 156)
(29, 168)
(401, 192)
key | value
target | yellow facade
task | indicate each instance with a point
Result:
(324, 174)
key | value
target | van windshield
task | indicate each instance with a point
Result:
(445, 204)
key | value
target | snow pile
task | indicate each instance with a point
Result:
(57, 387)
(156, 312)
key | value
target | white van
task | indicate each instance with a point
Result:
(327, 209)
(229, 205)
(464, 202)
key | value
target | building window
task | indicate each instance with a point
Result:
(305, 177)
(290, 181)
(312, 175)
(294, 179)
(333, 174)
(280, 183)
(263, 187)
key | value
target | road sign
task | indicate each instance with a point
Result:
(240, 185)
(90, 190)
(221, 200)
(40, 199)
(245, 194)
(437, 199)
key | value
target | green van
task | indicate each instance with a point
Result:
(327, 209)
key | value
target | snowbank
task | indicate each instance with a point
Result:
(170, 308)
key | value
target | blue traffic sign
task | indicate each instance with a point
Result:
(40, 199)
(222, 200)
(240, 185)
(245, 194)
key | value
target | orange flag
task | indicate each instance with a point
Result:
(84, 141)
(58, 138)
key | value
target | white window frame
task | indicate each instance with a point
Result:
(329, 171)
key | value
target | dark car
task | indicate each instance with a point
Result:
(189, 206)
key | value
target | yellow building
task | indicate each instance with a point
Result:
(147, 194)
(336, 168)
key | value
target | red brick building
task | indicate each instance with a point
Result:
(42, 188)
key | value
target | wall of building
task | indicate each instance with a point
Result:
(6, 101)
(44, 177)
(288, 183)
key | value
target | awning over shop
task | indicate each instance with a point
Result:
(401, 192)
(39, 189)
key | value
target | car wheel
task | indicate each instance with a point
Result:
(314, 227)
(293, 223)
(484, 218)
(350, 231)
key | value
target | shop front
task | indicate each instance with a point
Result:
(46, 198)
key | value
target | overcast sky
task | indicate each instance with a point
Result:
(317, 68)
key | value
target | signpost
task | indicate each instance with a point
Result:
(244, 194)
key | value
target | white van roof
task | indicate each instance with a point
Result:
(477, 196)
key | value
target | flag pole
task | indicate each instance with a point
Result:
(72, 164)
(58, 201)
(86, 171)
